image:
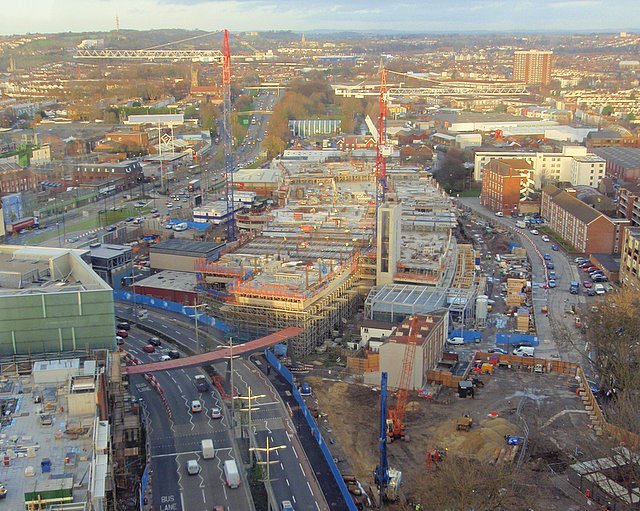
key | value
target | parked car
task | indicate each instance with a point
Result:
(154, 341)
(601, 279)
(174, 354)
(498, 351)
(122, 333)
(550, 265)
(552, 283)
(119, 340)
(547, 257)
(555, 248)
(591, 292)
(455, 341)
(534, 232)
(579, 260)
(587, 284)
(123, 326)
(305, 389)
(546, 238)
(165, 358)
(111, 228)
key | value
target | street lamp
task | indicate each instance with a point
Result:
(249, 397)
(268, 450)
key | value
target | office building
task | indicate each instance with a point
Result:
(574, 165)
(129, 171)
(51, 301)
(532, 66)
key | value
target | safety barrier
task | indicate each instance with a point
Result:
(286, 374)
(153, 381)
(185, 310)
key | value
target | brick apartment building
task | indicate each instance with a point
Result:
(630, 259)
(129, 170)
(13, 180)
(628, 205)
(503, 184)
(532, 66)
(588, 230)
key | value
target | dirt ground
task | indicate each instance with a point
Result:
(553, 413)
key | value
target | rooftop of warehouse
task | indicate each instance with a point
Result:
(269, 175)
(67, 443)
(186, 247)
(168, 279)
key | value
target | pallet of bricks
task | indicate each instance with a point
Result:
(516, 292)
(522, 323)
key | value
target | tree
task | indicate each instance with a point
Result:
(452, 174)
(607, 110)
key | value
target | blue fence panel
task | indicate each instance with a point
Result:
(286, 374)
(144, 483)
(516, 338)
(185, 310)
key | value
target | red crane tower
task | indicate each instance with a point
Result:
(381, 160)
(395, 422)
(227, 136)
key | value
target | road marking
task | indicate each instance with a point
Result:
(282, 468)
(287, 480)
(309, 486)
(301, 469)
(178, 387)
(317, 505)
(174, 380)
(203, 495)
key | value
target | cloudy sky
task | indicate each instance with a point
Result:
(22, 16)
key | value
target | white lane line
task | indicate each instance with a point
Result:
(296, 453)
(281, 466)
(203, 495)
(317, 505)
(301, 469)
(174, 380)
(309, 486)
(287, 480)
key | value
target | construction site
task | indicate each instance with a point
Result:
(315, 263)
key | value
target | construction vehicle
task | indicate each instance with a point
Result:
(465, 422)
(388, 480)
(395, 422)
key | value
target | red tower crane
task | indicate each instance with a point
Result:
(227, 136)
(381, 160)
(395, 422)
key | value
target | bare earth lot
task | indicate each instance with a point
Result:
(553, 413)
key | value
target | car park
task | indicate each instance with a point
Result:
(149, 348)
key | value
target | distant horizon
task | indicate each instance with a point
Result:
(553, 17)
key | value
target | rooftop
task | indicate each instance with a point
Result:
(175, 280)
(572, 205)
(185, 247)
(30, 270)
(107, 251)
(270, 175)
(626, 157)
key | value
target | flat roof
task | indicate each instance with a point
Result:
(626, 157)
(184, 247)
(168, 279)
(270, 175)
(107, 251)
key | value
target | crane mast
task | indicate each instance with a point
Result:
(381, 161)
(395, 423)
(227, 135)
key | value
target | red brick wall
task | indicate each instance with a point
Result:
(600, 236)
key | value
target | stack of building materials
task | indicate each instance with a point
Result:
(516, 292)
(523, 320)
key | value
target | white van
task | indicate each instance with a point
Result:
(456, 341)
(524, 351)
(231, 474)
(180, 227)
(208, 451)
(193, 468)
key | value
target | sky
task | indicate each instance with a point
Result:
(50, 16)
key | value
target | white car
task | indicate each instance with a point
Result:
(546, 238)
(196, 406)
(534, 232)
(455, 341)
(165, 358)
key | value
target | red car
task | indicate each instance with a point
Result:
(149, 348)
(122, 333)
(587, 284)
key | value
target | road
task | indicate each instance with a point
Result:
(175, 441)
(552, 329)
(293, 477)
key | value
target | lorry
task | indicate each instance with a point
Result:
(208, 450)
(574, 287)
